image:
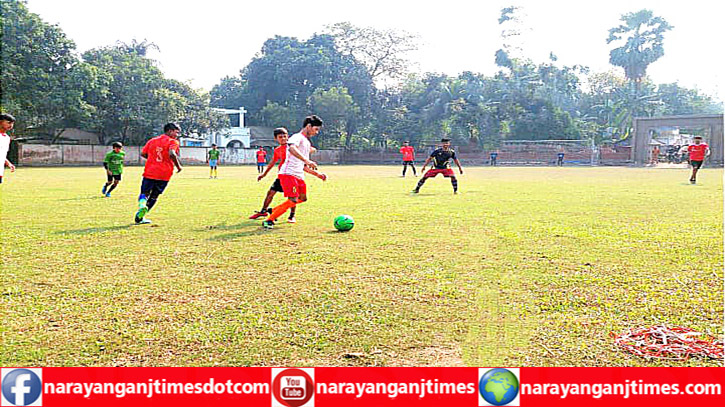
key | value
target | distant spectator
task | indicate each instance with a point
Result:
(655, 155)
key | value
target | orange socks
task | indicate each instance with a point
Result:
(281, 209)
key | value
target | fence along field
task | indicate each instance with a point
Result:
(530, 153)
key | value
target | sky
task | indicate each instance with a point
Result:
(202, 42)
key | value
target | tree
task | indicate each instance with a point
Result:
(229, 93)
(276, 115)
(336, 108)
(382, 52)
(136, 99)
(643, 36)
(278, 83)
(677, 100)
(43, 82)
(194, 113)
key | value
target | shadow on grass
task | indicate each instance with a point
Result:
(224, 226)
(84, 198)
(88, 231)
(252, 230)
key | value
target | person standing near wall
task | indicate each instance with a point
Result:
(261, 159)
(213, 160)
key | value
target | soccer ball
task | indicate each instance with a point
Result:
(343, 223)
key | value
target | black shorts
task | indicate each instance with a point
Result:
(696, 164)
(148, 186)
(113, 176)
(276, 186)
(408, 163)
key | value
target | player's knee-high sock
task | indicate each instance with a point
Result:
(405, 167)
(142, 199)
(420, 183)
(113, 186)
(413, 167)
(454, 182)
(280, 209)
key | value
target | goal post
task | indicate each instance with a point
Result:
(537, 152)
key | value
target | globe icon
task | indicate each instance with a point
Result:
(498, 387)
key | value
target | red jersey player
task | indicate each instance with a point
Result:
(261, 159)
(280, 154)
(161, 154)
(698, 152)
(408, 157)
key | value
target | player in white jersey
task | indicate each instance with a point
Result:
(292, 173)
(7, 122)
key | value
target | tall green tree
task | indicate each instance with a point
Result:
(641, 38)
(382, 52)
(43, 82)
(136, 99)
(336, 107)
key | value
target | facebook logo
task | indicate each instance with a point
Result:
(22, 387)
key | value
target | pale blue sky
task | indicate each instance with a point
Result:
(201, 42)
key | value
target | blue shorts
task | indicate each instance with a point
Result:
(212, 163)
(149, 186)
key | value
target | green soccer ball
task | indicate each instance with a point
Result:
(343, 223)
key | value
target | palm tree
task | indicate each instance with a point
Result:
(643, 35)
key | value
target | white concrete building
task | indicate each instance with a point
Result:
(237, 135)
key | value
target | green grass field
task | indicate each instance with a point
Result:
(527, 266)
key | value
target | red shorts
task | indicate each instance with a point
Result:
(292, 186)
(447, 172)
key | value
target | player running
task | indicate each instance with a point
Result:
(441, 165)
(213, 159)
(280, 153)
(408, 157)
(161, 154)
(113, 163)
(292, 173)
(698, 152)
(7, 121)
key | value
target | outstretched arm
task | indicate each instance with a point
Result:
(267, 170)
(427, 160)
(315, 173)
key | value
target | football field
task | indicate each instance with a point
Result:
(525, 267)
